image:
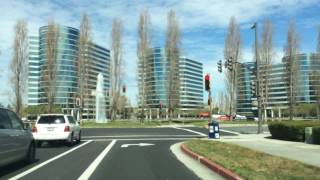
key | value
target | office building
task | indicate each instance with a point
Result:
(308, 68)
(66, 78)
(190, 80)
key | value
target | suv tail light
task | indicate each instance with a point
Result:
(67, 129)
(34, 129)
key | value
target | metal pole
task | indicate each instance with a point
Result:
(258, 80)
(210, 106)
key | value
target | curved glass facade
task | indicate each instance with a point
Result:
(191, 83)
(308, 66)
(66, 84)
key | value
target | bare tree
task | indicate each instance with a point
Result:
(232, 52)
(83, 61)
(318, 41)
(316, 75)
(291, 63)
(50, 67)
(172, 55)
(266, 56)
(116, 71)
(143, 48)
(19, 64)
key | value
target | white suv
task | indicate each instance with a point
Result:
(56, 127)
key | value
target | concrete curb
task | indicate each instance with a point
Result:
(211, 165)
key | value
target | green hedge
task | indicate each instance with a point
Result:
(290, 130)
(316, 135)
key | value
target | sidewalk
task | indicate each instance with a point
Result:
(306, 153)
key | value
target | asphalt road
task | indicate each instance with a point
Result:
(246, 129)
(118, 153)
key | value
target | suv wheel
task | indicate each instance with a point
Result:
(79, 137)
(70, 141)
(39, 143)
(31, 155)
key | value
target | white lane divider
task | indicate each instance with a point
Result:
(47, 162)
(189, 130)
(93, 166)
(138, 136)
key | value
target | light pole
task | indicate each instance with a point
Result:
(257, 78)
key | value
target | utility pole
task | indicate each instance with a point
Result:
(255, 26)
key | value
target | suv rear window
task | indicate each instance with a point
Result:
(51, 120)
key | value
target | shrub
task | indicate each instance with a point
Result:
(316, 135)
(290, 130)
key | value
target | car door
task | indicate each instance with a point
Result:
(7, 139)
(22, 137)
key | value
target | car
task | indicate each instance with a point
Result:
(16, 140)
(240, 117)
(56, 127)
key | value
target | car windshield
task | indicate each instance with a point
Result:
(51, 120)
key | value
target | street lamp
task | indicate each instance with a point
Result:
(255, 26)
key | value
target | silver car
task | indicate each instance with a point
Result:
(16, 140)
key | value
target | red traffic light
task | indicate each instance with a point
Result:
(207, 82)
(207, 77)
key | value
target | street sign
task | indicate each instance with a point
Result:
(140, 144)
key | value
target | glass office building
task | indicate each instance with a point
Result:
(308, 67)
(66, 78)
(191, 83)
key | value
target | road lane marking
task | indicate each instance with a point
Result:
(146, 139)
(93, 166)
(131, 136)
(140, 144)
(47, 162)
(231, 132)
(189, 130)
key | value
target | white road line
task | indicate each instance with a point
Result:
(232, 132)
(131, 136)
(88, 172)
(189, 130)
(146, 139)
(47, 162)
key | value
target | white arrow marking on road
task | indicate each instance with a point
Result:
(140, 144)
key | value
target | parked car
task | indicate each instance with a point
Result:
(239, 117)
(252, 118)
(16, 140)
(56, 127)
(224, 118)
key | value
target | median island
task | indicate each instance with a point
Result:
(251, 164)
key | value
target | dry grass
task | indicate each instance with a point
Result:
(252, 164)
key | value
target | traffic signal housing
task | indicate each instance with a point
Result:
(124, 89)
(220, 66)
(229, 61)
(207, 82)
(253, 88)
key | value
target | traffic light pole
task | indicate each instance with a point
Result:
(258, 80)
(207, 88)
(210, 106)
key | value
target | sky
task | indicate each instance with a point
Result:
(203, 26)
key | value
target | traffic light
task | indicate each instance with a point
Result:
(207, 82)
(229, 63)
(124, 89)
(253, 88)
(220, 66)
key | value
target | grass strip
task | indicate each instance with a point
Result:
(123, 124)
(251, 164)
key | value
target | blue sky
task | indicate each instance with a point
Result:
(203, 27)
